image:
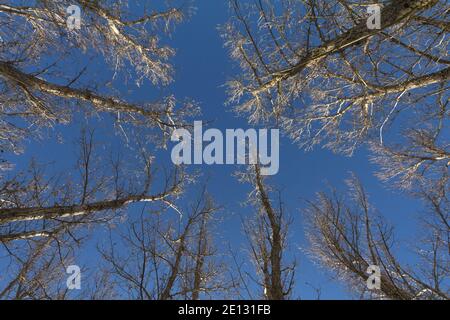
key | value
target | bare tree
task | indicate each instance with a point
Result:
(423, 156)
(168, 258)
(46, 217)
(347, 238)
(34, 204)
(48, 75)
(31, 271)
(35, 269)
(316, 70)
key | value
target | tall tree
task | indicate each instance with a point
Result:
(347, 237)
(168, 258)
(267, 233)
(47, 217)
(49, 74)
(51, 71)
(36, 202)
(318, 71)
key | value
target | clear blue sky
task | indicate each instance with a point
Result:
(202, 67)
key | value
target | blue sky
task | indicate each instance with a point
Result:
(202, 67)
